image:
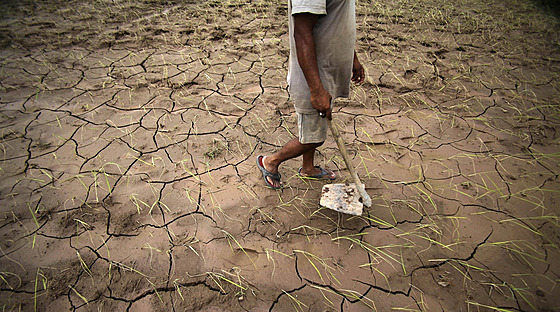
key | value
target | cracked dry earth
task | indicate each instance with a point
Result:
(129, 132)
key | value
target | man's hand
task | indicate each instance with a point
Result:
(358, 74)
(321, 101)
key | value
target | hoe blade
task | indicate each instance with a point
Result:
(343, 198)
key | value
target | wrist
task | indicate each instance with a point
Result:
(317, 91)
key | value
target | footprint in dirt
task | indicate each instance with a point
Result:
(269, 200)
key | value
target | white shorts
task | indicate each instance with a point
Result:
(312, 128)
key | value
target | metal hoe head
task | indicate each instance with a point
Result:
(343, 198)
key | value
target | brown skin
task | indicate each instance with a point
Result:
(307, 58)
(320, 97)
(358, 73)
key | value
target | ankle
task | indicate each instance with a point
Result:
(270, 163)
(308, 170)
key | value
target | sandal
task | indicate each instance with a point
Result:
(325, 174)
(267, 174)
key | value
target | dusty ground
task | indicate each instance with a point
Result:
(129, 132)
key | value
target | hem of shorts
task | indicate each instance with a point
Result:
(307, 9)
(312, 141)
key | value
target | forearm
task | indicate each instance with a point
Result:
(306, 52)
(307, 58)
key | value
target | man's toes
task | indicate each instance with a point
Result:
(273, 182)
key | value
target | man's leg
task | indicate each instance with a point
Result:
(308, 164)
(292, 149)
(312, 129)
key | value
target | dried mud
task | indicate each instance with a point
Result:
(130, 129)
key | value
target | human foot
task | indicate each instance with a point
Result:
(318, 173)
(271, 179)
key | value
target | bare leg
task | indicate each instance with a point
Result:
(291, 150)
(308, 165)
